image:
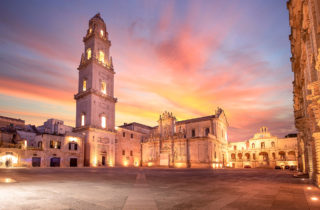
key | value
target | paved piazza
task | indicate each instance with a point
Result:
(145, 188)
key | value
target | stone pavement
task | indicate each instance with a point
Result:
(132, 188)
(140, 196)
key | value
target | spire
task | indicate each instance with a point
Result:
(97, 16)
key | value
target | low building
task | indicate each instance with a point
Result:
(27, 147)
(264, 150)
(8, 121)
(50, 151)
(54, 126)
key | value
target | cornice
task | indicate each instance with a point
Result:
(95, 92)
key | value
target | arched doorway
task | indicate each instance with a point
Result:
(247, 155)
(233, 157)
(291, 155)
(263, 159)
(8, 159)
(282, 155)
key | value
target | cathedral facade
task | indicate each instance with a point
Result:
(304, 16)
(198, 142)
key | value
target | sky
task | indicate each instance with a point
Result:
(186, 57)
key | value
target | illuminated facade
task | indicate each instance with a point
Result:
(95, 115)
(264, 150)
(304, 16)
(129, 144)
(43, 150)
(199, 142)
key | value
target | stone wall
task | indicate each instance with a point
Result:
(304, 17)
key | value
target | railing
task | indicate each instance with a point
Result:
(10, 145)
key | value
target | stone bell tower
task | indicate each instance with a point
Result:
(95, 115)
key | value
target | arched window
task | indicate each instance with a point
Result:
(272, 144)
(40, 144)
(233, 156)
(101, 33)
(262, 145)
(253, 145)
(83, 119)
(103, 87)
(101, 56)
(207, 131)
(84, 85)
(88, 53)
(234, 147)
(103, 121)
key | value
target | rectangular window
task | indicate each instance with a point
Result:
(132, 135)
(101, 56)
(59, 144)
(69, 146)
(103, 87)
(131, 153)
(123, 152)
(51, 144)
(84, 85)
(82, 120)
(75, 146)
(88, 54)
(103, 122)
(193, 132)
(124, 134)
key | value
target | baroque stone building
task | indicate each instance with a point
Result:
(198, 142)
(304, 17)
(264, 150)
(95, 114)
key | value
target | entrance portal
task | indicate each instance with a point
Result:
(103, 160)
(55, 162)
(36, 161)
(73, 162)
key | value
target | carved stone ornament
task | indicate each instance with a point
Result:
(318, 61)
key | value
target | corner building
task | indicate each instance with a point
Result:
(304, 18)
(95, 102)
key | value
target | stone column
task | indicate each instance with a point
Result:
(316, 137)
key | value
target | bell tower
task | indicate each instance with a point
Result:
(95, 102)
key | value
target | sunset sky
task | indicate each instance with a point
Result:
(186, 57)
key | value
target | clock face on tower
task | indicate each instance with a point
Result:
(95, 99)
